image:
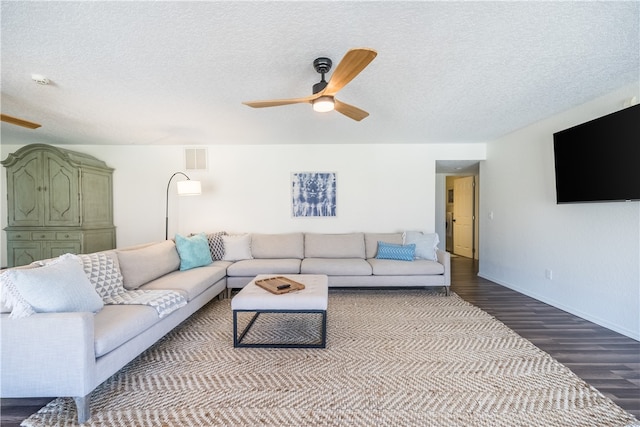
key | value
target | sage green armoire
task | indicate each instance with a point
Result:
(58, 201)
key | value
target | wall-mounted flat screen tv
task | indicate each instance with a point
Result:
(599, 161)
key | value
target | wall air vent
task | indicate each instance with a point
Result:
(195, 158)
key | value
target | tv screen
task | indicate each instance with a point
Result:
(599, 161)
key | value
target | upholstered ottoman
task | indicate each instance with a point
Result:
(312, 300)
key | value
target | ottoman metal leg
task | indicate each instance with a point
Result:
(238, 338)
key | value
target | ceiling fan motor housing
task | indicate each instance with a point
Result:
(322, 65)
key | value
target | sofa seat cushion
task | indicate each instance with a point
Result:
(116, 324)
(389, 267)
(253, 267)
(348, 245)
(336, 267)
(222, 264)
(189, 283)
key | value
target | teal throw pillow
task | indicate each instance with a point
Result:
(194, 251)
(397, 252)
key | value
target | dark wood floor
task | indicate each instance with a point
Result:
(607, 360)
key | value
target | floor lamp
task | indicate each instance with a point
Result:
(185, 188)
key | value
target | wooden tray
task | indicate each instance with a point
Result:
(271, 284)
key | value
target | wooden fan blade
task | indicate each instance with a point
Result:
(19, 122)
(354, 61)
(277, 102)
(349, 110)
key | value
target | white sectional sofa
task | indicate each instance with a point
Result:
(69, 352)
(349, 260)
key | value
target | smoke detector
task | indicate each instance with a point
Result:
(40, 79)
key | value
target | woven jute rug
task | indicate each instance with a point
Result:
(393, 358)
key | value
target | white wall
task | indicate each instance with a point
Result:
(592, 250)
(386, 187)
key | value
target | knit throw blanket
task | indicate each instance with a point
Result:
(165, 302)
(104, 273)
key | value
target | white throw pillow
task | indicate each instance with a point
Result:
(426, 244)
(59, 286)
(237, 247)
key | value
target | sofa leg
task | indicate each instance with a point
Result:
(447, 291)
(83, 408)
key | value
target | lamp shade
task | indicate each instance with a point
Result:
(189, 188)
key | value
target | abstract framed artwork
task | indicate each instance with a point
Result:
(313, 194)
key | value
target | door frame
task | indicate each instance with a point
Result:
(441, 209)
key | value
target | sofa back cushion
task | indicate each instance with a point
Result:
(371, 241)
(237, 247)
(143, 264)
(274, 246)
(349, 245)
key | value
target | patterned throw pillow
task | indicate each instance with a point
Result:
(397, 252)
(103, 272)
(216, 244)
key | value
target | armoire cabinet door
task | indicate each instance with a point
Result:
(60, 193)
(55, 249)
(23, 253)
(25, 188)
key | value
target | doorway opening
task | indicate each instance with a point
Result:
(458, 207)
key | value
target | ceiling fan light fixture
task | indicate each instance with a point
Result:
(323, 104)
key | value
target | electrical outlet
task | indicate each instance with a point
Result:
(548, 274)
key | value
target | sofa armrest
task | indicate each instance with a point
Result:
(47, 354)
(444, 258)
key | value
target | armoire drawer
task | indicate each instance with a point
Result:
(18, 235)
(43, 235)
(67, 235)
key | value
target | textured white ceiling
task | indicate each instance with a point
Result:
(177, 72)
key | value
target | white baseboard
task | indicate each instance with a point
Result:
(605, 324)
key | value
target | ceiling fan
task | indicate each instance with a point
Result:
(19, 122)
(323, 98)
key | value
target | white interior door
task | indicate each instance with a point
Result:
(463, 193)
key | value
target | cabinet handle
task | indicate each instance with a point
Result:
(18, 236)
(39, 188)
(42, 236)
(66, 236)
